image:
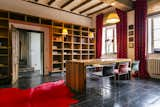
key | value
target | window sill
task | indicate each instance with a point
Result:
(112, 55)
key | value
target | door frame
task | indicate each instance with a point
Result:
(15, 54)
(47, 31)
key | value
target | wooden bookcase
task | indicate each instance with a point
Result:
(75, 45)
(4, 46)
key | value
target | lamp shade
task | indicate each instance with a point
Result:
(64, 31)
(112, 18)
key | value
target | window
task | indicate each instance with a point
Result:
(109, 40)
(154, 34)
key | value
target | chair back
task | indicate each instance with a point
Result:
(108, 70)
(135, 65)
(123, 67)
(116, 65)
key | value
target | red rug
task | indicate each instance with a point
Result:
(51, 94)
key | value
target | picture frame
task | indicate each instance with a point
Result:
(130, 26)
(131, 45)
(131, 33)
(131, 39)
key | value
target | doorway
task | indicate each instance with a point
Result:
(31, 53)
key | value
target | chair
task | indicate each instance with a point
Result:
(106, 71)
(135, 67)
(123, 69)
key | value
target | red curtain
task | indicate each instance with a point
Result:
(121, 28)
(99, 26)
(140, 35)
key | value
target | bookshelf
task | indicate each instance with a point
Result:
(4, 46)
(75, 46)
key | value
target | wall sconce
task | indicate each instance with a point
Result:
(112, 18)
(91, 35)
(64, 31)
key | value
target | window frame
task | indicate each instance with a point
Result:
(152, 34)
(114, 38)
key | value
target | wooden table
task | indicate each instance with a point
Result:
(76, 71)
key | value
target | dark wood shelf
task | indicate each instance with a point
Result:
(3, 47)
(3, 27)
(4, 37)
(3, 65)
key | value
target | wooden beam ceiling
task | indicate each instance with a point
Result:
(120, 4)
(67, 3)
(91, 7)
(78, 6)
(51, 1)
(99, 10)
(126, 3)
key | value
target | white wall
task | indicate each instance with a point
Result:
(21, 6)
(131, 21)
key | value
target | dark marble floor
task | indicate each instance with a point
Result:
(104, 92)
(32, 79)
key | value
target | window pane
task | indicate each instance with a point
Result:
(157, 34)
(156, 22)
(149, 35)
(103, 41)
(115, 41)
(110, 34)
(109, 47)
(156, 44)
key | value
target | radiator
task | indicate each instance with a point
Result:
(153, 67)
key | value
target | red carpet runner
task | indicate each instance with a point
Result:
(51, 94)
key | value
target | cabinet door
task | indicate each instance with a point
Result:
(15, 54)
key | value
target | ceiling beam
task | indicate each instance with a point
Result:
(78, 6)
(99, 10)
(51, 1)
(91, 7)
(120, 4)
(67, 3)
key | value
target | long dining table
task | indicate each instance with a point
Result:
(76, 71)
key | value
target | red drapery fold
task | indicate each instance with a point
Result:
(121, 28)
(140, 35)
(99, 26)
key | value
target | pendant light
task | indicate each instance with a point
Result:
(112, 18)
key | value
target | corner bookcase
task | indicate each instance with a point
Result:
(76, 45)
